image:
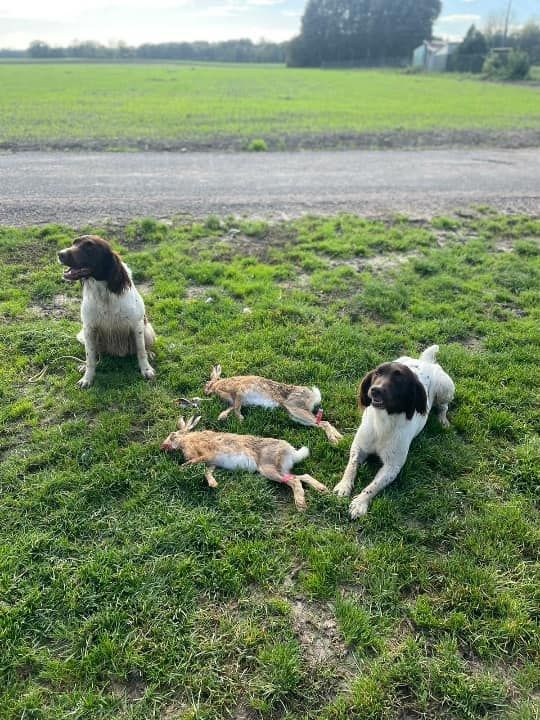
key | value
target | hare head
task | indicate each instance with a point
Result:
(174, 441)
(214, 377)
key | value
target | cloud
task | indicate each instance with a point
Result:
(457, 18)
(69, 9)
(227, 10)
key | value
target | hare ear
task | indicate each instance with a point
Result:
(181, 423)
(194, 421)
(216, 371)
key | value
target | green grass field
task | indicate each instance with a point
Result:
(130, 590)
(157, 105)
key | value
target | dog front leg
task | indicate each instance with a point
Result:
(90, 347)
(360, 504)
(357, 456)
(147, 371)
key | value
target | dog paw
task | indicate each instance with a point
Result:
(342, 489)
(85, 382)
(148, 373)
(358, 507)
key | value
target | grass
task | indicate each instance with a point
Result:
(130, 590)
(171, 105)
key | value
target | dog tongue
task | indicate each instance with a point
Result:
(73, 274)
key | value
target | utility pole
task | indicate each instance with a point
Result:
(507, 22)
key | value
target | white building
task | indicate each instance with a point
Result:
(433, 55)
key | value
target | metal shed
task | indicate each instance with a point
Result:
(433, 55)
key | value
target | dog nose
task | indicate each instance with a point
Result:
(61, 254)
(376, 393)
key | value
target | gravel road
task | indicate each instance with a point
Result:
(81, 188)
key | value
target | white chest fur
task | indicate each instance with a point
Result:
(102, 308)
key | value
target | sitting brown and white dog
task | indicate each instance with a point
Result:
(112, 310)
(397, 398)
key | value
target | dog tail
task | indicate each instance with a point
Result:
(430, 354)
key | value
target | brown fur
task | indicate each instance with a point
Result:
(297, 400)
(397, 387)
(94, 257)
(270, 457)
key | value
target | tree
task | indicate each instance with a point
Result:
(362, 31)
(38, 49)
(474, 43)
(529, 40)
(471, 54)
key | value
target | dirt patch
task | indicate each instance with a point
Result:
(61, 306)
(510, 308)
(316, 629)
(131, 689)
(505, 245)
(472, 343)
(389, 139)
(145, 287)
(174, 711)
(196, 292)
(243, 712)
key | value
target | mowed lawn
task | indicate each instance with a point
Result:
(129, 589)
(159, 105)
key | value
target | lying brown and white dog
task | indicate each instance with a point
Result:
(397, 398)
(112, 311)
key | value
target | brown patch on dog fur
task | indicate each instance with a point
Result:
(397, 386)
(94, 254)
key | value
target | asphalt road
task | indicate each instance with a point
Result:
(80, 188)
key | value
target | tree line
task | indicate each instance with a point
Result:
(333, 32)
(233, 51)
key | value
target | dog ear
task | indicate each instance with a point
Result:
(363, 398)
(416, 398)
(420, 402)
(118, 278)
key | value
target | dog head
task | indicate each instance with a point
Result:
(91, 256)
(395, 388)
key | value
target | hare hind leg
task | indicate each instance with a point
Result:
(312, 483)
(305, 417)
(272, 473)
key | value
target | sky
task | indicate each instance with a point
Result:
(60, 22)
